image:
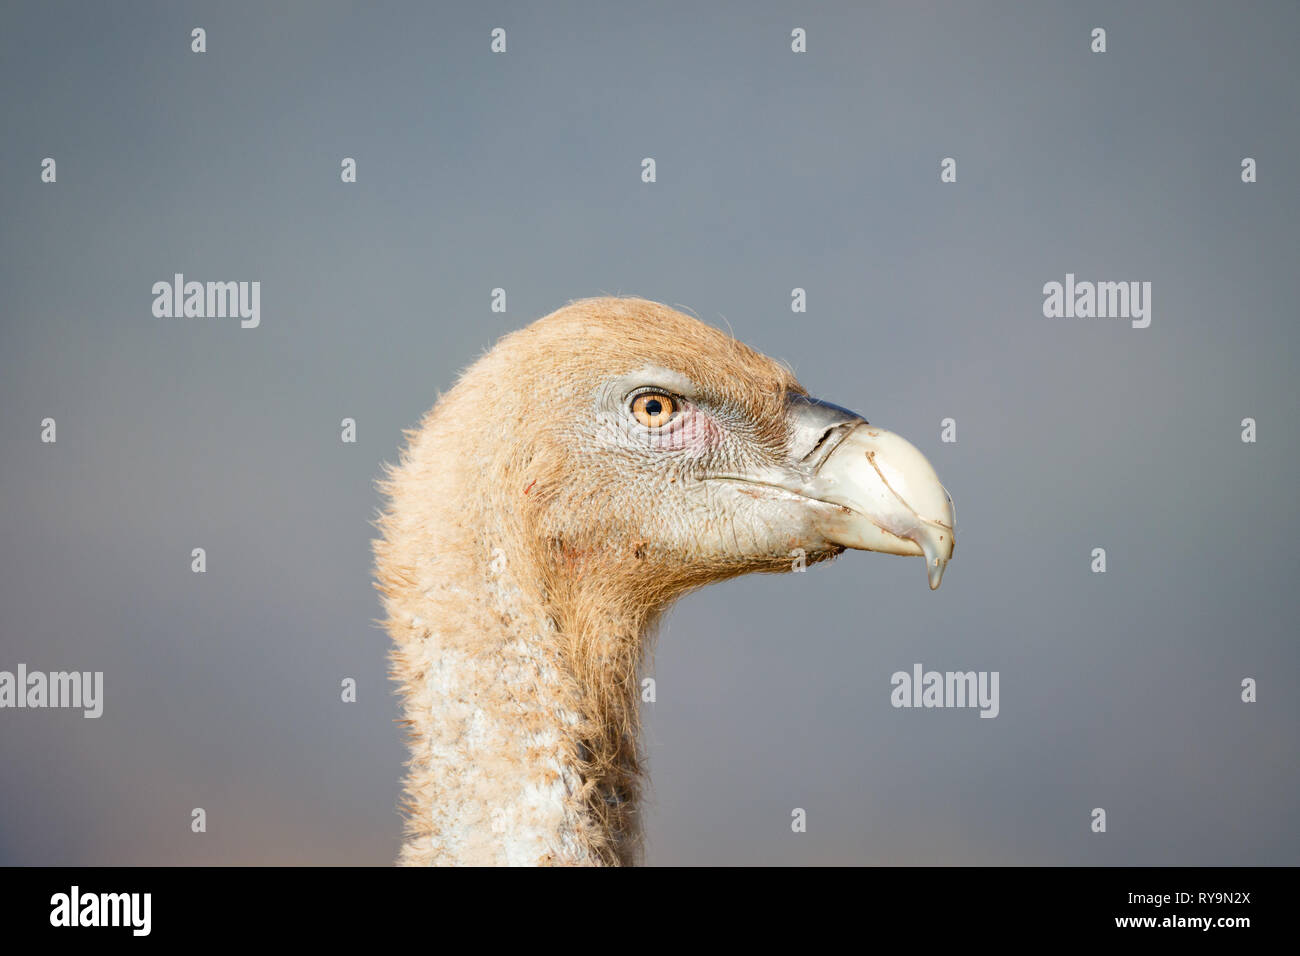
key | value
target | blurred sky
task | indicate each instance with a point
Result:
(775, 170)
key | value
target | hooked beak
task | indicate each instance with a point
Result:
(886, 496)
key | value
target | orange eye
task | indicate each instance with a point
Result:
(653, 409)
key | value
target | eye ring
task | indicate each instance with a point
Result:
(654, 409)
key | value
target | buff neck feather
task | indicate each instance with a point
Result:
(517, 663)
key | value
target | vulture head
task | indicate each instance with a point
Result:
(584, 473)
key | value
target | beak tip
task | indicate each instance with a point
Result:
(936, 569)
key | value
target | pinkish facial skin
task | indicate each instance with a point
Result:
(695, 432)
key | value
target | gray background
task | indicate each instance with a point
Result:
(775, 170)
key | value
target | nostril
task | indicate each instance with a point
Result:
(820, 442)
(828, 441)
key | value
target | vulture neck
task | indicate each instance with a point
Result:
(518, 675)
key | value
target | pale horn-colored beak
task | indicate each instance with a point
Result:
(888, 496)
(895, 502)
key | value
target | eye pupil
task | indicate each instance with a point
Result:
(653, 409)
